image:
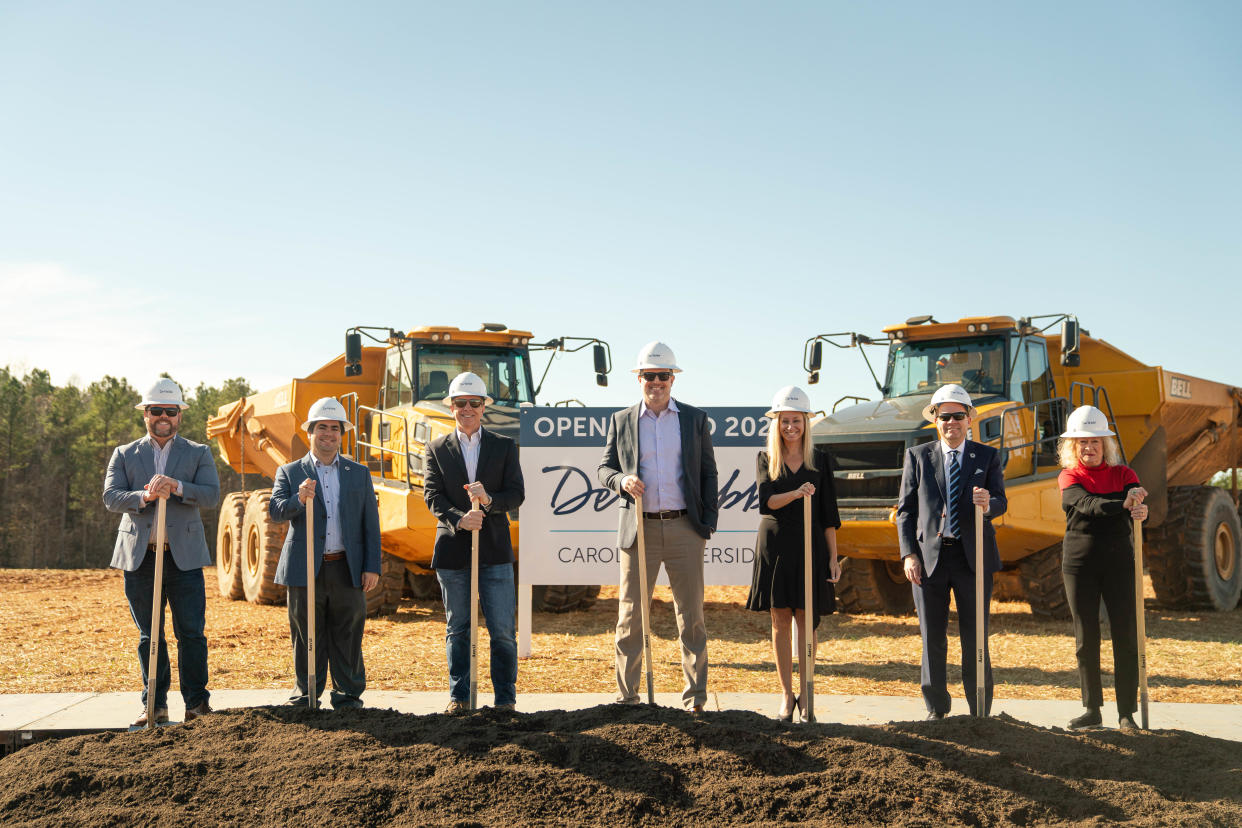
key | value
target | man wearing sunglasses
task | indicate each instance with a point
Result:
(941, 483)
(661, 449)
(161, 464)
(474, 462)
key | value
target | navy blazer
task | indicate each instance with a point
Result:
(444, 490)
(698, 469)
(132, 466)
(922, 503)
(358, 515)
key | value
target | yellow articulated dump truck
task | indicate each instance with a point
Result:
(394, 392)
(1176, 432)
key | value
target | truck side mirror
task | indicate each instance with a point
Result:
(353, 354)
(601, 365)
(815, 358)
(1069, 343)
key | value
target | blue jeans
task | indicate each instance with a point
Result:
(498, 603)
(183, 591)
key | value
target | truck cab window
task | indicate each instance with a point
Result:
(976, 363)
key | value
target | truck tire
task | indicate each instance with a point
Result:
(384, 599)
(1193, 557)
(423, 586)
(563, 598)
(229, 546)
(1042, 584)
(875, 587)
(261, 551)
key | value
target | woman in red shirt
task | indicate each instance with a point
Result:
(1101, 499)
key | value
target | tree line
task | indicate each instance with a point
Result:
(55, 443)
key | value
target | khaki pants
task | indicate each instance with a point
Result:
(675, 544)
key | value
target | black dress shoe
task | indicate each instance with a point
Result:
(934, 717)
(1090, 718)
(1126, 722)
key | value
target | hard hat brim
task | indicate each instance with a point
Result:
(772, 413)
(639, 369)
(486, 399)
(142, 405)
(1084, 433)
(348, 426)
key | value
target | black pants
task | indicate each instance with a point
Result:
(1108, 574)
(340, 612)
(954, 574)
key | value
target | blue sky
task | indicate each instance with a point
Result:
(220, 190)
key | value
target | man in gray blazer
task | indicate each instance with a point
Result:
(347, 555)
(161, 464)
(662, 449)
(941, 483)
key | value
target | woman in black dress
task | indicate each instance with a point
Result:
(787, 472)
(1102, 499)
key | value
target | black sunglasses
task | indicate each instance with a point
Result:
(460, 403)
(156, 411)
(652, 376)
(956, 415)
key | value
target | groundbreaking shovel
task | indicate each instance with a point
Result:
(312, 689)
(806, 663)
(157, 606)
(644, 600)
(1142, 622)
(474, 611)
(980, 637)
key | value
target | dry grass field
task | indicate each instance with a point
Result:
(70, 630)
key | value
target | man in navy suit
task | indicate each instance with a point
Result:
(661, 449)
(941, 483)
(162, 464)
(347, 555)
(472, 462)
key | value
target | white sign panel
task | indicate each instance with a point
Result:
(568, 522)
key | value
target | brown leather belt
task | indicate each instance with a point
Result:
(667, 514)
(151, 547)
(334, 556)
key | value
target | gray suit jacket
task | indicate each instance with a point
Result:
(358, 516)
(698, 469)
(131, 467)
(922, 503)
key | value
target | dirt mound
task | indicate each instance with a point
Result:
(616, 765)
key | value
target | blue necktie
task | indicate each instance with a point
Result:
(955, 491)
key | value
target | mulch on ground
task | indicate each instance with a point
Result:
(619, 766)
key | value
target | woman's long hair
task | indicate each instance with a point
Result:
(776, 446)
(1067, 454)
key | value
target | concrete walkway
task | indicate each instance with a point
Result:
(32, 717)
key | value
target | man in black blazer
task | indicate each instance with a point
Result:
(662, 449)
(941, 483)
(472, 462)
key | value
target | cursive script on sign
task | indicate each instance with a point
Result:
(575, 491)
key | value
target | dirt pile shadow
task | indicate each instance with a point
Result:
(616, 765)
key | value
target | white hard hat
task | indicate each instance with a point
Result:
(656, 356)
(1087, 421)
(790, 398)
(948, 394)
(327, 408)
(468, 385)
(164, 392)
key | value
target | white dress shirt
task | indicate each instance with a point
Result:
(161, 458)
(659, 458)
(330, 487)
(470, 452)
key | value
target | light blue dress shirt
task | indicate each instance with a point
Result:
(659, 458)
(330, 488)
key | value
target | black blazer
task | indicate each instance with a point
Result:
(922, 504)
(699, 481)
(445, 493)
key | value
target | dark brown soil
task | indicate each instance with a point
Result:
(617, 766)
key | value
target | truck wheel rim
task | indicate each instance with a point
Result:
(252, 552)
(1225, 553)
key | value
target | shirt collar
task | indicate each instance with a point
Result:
(944, 446)
(472, 440)
(156, 446)
(643, 410)
(336, 461)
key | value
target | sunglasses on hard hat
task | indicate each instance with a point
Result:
(156, 411)
(460, 403)
(652, 376)
(956, 415)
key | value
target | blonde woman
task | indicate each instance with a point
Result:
(789, 471)
(1101, 499)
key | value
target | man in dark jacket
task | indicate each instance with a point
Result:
(473, 463)
(941, 483)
